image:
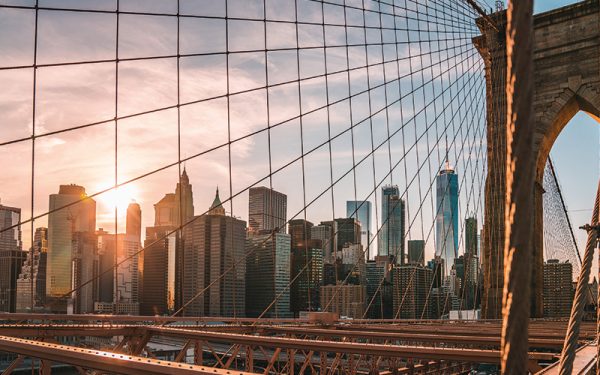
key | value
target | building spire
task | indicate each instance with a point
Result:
(217, 207)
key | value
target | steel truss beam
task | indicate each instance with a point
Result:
(104, 361)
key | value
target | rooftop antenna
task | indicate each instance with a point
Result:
(447, 159)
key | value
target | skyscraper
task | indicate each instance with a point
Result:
(134, 221)
(471, 236)
(160, 266)
(268, 274)
(325, 233)
(416, 252)
(184, 200)
(391, 236)
(379, 303)
(446, 220)
(125, 296)
(214, 246)
(167, 210)
(11, 256)
(361, 211)
(411, 291)
(558, 288)
(33, 268)
(158, 280)
(343, 231)
(62, 225)
(106, 261)
(306, 267)
(10, 239)
(470, 278)
(84, 267)
(267, 210)
(307, 275)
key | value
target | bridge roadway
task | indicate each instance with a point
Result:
(351, 346)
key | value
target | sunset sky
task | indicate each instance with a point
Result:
(75, 95)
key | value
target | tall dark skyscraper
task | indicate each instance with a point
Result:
(160, 267)
(214, 243)
(391, 235)
(268, 274)
(158, 272)
(471, 236)
(307, 273)
(361, 211)
(379, 303)
(306, 267)
(267, 210)
(446, 220)
(416, 252)
(63, 224)
(84, 263)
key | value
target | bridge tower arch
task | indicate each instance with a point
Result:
(566, 81)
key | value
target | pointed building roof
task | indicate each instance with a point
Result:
(217, 207)
(184, 176)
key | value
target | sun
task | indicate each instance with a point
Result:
(119, 198)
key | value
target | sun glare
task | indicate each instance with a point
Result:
(119, 197)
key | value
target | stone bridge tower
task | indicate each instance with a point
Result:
(566, 80)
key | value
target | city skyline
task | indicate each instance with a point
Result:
(285, 186)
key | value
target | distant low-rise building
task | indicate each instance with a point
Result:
(412, 284)
(558, 289)
(346, 300)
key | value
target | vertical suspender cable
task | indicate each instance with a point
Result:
(572, 336)
(519, 187)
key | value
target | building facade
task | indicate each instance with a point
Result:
(268, 275)
(558, 288)
(267, 210)
(62, 225)
(411, 290)
(33, 275)
(11, 256)
(10, 239)
(391, 236)
(214, 246)
(157, 272)
(471, 237)
(306, 277)
(446, 220)
(416, 252)
(361, 211)
(346, 300)
(326, 234)
(379, 302)
(84, 265)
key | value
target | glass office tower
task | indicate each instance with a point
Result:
(391, 236)
(446, 221)
(361, 211)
